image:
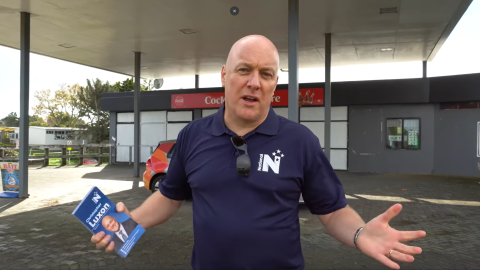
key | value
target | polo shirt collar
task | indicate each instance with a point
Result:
(268, 127)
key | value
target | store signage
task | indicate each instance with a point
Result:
(313, 96)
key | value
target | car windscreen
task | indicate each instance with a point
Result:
(170, 153)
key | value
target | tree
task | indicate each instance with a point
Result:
(124, 86)
(61, 108)
(147, 85)
(37, 121)
(128, 85)
(11, 120)
(89, 107)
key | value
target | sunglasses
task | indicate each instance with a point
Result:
(243, 160)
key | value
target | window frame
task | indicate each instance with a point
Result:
(403, 120)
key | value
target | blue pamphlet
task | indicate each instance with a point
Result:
(98, 213)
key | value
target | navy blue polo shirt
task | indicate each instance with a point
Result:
(250, 222)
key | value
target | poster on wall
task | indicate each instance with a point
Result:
(413, 138)
(10, 180)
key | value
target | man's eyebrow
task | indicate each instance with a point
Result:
(243, 64)
(250, 66)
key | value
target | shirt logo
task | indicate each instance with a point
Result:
(266, 162)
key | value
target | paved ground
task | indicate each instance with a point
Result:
(41, 233)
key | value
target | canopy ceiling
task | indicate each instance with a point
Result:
(105, 33)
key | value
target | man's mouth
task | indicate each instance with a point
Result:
(250, 99)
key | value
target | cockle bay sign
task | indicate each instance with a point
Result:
(311, 96)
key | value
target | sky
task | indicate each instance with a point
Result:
(458, 55)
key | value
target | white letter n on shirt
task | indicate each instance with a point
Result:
(268, 162)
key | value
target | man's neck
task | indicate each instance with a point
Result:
(239, 126)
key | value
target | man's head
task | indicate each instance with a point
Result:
(111, 224)
(250, 77)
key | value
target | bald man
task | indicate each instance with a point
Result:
(246, 168)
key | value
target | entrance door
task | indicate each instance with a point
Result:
(152, 130)
(124, 141)
(314, 119)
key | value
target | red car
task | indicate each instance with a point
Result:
(157, 164)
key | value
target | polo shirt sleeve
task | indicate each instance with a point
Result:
(322, 191)
(175, 184)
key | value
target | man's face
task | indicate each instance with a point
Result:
(110, 224)
(250, 78)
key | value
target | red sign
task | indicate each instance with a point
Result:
(312, 96)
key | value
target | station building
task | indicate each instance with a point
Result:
(413, 126)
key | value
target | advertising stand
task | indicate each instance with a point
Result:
(10, 180)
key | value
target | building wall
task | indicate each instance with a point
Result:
(155, 126)
(456, 142)
(367, 140)
(36, 136)
(314, 119)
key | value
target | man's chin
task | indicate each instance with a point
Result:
(248, 115)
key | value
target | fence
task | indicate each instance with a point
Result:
(9, 153)
(6, 153)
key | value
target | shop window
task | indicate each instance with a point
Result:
(403, 133)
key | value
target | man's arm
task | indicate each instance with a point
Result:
(342, 224)
(155, 210)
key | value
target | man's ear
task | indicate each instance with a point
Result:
(223, 73)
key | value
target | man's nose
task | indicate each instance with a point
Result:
(254, 81)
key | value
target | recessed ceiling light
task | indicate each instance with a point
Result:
(188, 31)
(66, 45)
(386, 49)
(284, 69)
(144, 67)
(389, 10)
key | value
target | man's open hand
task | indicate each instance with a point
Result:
(381, 242)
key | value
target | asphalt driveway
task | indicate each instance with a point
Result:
(41, 233)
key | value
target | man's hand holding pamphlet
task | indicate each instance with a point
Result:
(101, 217)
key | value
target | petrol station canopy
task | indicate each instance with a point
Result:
(188, 37)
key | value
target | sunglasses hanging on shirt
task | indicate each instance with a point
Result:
(243, 160)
